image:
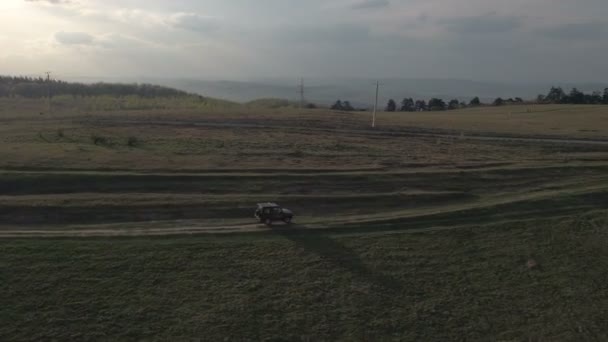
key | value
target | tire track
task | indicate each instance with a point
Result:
(405, 132)
(549, 204)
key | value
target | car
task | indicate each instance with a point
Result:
(271, 212)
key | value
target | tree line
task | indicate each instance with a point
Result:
(30, 87)
(558, 96)
(434, 104)
(555, 96)
(409, 105)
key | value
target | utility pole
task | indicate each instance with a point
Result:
(375, 105)
(48, 89)
(301, 93)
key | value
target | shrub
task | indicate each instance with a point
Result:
(132, 141)
(99, 140)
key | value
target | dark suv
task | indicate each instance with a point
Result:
(271, 212)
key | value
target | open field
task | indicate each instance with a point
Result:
(136, 223)
(472, 283)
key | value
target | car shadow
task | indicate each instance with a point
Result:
(339, 255)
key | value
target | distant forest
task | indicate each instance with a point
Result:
(555, 96)
(29, 87)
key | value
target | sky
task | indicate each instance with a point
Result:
(489, 40)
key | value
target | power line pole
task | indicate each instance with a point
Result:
(48, 89)
(301, 93)
(375, 105)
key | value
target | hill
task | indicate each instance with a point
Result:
(360, 92)
(29, 87)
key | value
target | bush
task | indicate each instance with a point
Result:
(297, 153)
(132, 141)
(99, 140)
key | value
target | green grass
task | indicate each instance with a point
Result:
(343, 198)
(584, 121)
(472, 283)
(64, 103)
(271, 103)
(397, 237)
(172, 135)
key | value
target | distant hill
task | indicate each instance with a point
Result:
(271, 103)
(360, 92)
(30, 87)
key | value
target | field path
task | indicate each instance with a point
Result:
(405, 131)
(555, 203)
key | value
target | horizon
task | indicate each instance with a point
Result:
(357, 91)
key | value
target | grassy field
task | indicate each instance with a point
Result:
(473, 283)
(131, 219)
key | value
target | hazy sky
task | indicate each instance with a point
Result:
(515, 40)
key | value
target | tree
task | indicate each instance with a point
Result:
(391, 106)
(540, 99)
(420, 106)
(519, 100)
(605, 98)
(453, 104)
(347, 107)
(556, 96)
(29, 90)
(337, 106)
(595, 98)
(576, 97)
(475, 102)
(4, 91)
(436, 104)
(408, 105)
(499, 102)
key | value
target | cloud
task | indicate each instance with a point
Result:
(106, 41)
(192, 22)
(371, 4)
(338, 37)
(576, 31)
(487, 23)
(119, 41)
(337, 33)
(74, 38)
(54, 2)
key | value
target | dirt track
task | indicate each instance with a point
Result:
(409, 131)
(514, 208)
(56, 202)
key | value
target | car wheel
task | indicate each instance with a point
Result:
(287, 220)
(268, 222)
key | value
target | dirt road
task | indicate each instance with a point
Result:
(555, 203)
(403, 132)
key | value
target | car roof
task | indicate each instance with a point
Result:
(268, 205)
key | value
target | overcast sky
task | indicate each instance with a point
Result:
(515, 40)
